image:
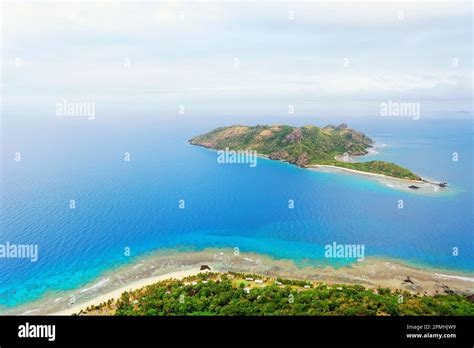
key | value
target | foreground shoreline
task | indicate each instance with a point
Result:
(371, 273)
(115, 294)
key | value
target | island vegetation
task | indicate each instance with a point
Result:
(303, 146)
(253, 295)
(377, 167)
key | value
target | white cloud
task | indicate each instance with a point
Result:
(184, 50)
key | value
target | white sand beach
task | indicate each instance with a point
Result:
(115, 294)
(391, 182)
(388, 181)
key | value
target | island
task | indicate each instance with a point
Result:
(308, 147)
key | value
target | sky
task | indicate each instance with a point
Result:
(239, 56)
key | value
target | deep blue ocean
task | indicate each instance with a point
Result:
(136, 204)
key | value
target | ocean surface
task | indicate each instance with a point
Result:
(135, 204)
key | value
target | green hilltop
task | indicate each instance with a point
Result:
(303, 146)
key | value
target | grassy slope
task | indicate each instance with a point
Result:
(319, 145)
(225, 295)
